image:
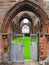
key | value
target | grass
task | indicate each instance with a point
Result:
(17, 40)
(34, 39)
(27, 48)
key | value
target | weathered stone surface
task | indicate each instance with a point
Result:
(5, 6)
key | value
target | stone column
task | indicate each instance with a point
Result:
(1, 49)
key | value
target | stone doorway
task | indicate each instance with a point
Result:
(23, 47)
(22, 7)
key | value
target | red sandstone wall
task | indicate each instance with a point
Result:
(43, 48)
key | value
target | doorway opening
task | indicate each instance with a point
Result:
(24, 6)
(25, 27)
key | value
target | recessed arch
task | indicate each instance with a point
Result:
(24, 6)
(25, 29)
(25, 15)
(30, 23)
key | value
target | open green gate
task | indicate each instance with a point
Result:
(25, 47)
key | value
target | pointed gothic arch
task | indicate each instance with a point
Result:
(25, 6)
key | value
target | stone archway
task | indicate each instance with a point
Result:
(30, 23)
(25, 6)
